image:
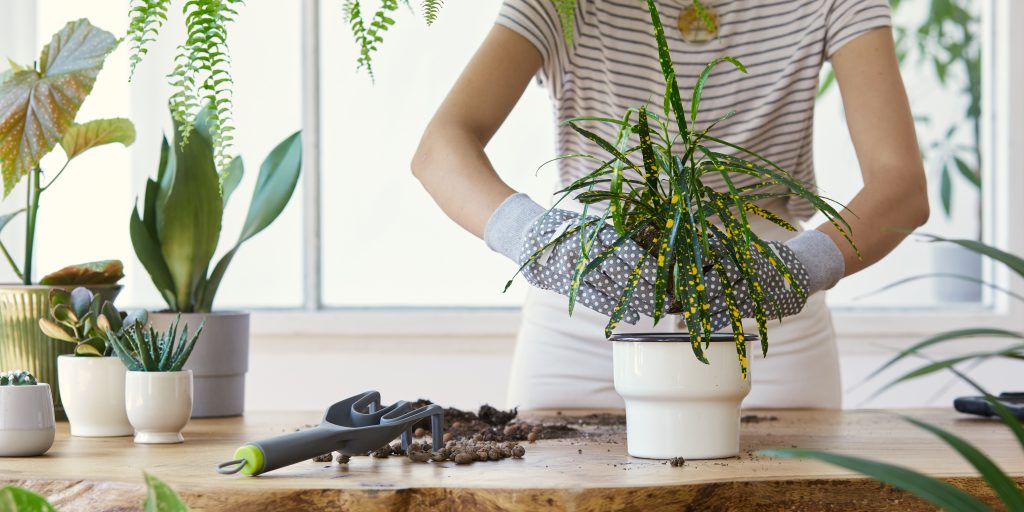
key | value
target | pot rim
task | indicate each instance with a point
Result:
(15, 286)
(27, 386)
(210, 313)
(675, 337)
(143, 372)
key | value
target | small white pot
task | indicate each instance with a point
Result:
(26, 420)
(92, 391)
(159, 405)
(677, 406)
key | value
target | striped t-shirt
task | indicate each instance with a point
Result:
(613, 65)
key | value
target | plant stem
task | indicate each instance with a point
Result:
(32, 206)
(61, 171)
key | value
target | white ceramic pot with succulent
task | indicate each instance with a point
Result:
(677, 406)
(90, 379)
(27, 425)
(176, 237)
(158, 391)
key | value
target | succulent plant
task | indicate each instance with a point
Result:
(82, 318)
(144, 349)
(17, 378)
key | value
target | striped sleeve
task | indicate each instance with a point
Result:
(848, 19)
(537, 21)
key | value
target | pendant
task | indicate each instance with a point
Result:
(693, 27)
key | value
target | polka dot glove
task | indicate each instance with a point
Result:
(599, 290)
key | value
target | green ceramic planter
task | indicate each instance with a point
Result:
(22, 345)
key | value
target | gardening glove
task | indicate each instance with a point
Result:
(812, 258)
(521, 227)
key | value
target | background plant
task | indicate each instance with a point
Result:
(17, 378)
(82, 318)
(663, 205)
(144, 349)
(178, 230)
(159, 498)
(38, 107)
(928, 488)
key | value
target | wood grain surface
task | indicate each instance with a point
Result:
(593, 473)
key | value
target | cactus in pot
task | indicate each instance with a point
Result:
(28, 426)
(17, 378)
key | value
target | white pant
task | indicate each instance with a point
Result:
(564, 362)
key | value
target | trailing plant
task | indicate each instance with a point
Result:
(178, 229)
(144, 349)
(928, 488)
(662, 204)
(17, 378)
(38, 107)
(82, 318)
(159, 497)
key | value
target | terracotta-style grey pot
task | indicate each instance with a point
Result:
(22, 345)
(219, 360)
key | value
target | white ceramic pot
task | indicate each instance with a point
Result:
(677, 406)
(219, 361)
(159, 405)
(92, 391)
(26, 420)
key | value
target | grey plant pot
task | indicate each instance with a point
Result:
(22, 345)
(219, 360)
(954, 259)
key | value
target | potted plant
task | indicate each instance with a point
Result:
(692, 233)
(26, 415)
(38, 107)
(175, 238)
(158, 391)
(91, 380)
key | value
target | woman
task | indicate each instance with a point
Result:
(611, 65)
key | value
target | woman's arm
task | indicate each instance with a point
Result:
(450, 160)
(894, 199)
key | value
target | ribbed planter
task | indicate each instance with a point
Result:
(22, 345)
(219, 360)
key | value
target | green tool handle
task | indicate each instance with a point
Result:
(285, 450)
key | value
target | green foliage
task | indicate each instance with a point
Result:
(159, 498)
(82, 317)
(146, 17)
(38, 107)
(177, 233)
(144, 349)
(662, 204)
(94, 272)
(566, 10)
(431, 8)
(17, 378)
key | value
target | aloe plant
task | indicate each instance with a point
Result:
(144, 349)
(17, 378)
(83, 318)
(177, 232)
(38, 109)
(928, 488)
(662, 204)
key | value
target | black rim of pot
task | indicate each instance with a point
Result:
(675, 337)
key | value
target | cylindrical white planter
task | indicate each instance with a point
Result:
(159, 405)
(219, 360)
(26, 420)
(677, 406)
(92, 391)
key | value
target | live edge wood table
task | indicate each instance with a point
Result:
(583, 474)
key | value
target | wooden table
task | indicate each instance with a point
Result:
(593, 474)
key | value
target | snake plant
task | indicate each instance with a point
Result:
(38, 109)
(178, 229)
(82, 317)
(661, 203)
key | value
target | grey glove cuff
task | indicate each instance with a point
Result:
(820, 256)
(508, 224)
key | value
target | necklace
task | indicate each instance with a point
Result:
(693, 25)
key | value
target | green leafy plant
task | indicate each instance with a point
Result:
(38, 107)
(82, 318)
(17, 378)
(177, 232)
(159, 498)
(662, 204)
(144, 349)
(928, 488)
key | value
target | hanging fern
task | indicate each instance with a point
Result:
(431, 9)
(566, 14)
(145, 19)
(369, 36)
(202, 72)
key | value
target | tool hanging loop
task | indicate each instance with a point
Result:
(225, 468)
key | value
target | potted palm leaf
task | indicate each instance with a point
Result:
(39, 105)
(689, 235)
(176, 235)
